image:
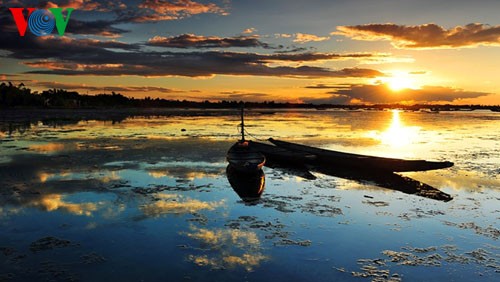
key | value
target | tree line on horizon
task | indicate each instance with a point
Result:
(20, 96)
(12, 96)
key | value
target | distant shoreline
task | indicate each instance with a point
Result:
(119, 114)
(21, 98)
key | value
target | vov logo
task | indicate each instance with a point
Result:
(41, 22)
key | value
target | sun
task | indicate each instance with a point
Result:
(400, 80)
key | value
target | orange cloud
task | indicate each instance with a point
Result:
(71, 66)
(304, 37)
(249, 30)
(426, 36)
(167, 10)
(145, 11)
(83, 5)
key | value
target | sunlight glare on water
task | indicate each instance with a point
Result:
(397, 135)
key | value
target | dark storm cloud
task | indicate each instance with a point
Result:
(121, 89)
(241, 96)
(200, 41)
(117, 13)
(381, 93)
(106, 28)
(310, 56)
(73, 56)
(59, 48)
(99, 27)
(68, 56)
(187, 64)
(325, 86)
(293, 49)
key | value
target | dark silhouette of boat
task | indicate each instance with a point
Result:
(250, 186)
(246, 159)
(329, 158)
(243, 157)
(364, 169)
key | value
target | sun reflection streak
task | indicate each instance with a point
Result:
(397, 135)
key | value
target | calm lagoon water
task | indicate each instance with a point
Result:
(146, 198)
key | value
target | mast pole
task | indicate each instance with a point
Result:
(242, 124)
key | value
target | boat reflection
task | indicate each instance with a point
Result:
(387, 180)
(248, 186)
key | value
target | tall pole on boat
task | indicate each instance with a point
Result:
(242, 123)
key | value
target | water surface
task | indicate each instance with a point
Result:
(147, 198)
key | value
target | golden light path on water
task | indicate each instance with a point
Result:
(398, 135)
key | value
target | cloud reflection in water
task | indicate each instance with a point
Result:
(233, 248)
(177, 204)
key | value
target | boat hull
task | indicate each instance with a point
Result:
(332, 159)
(245, 158)
(380, 171)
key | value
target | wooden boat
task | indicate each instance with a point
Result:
(340, 159)
(301, 164)
(276, 153)
(243, 157)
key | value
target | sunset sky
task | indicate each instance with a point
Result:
(319, 51)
